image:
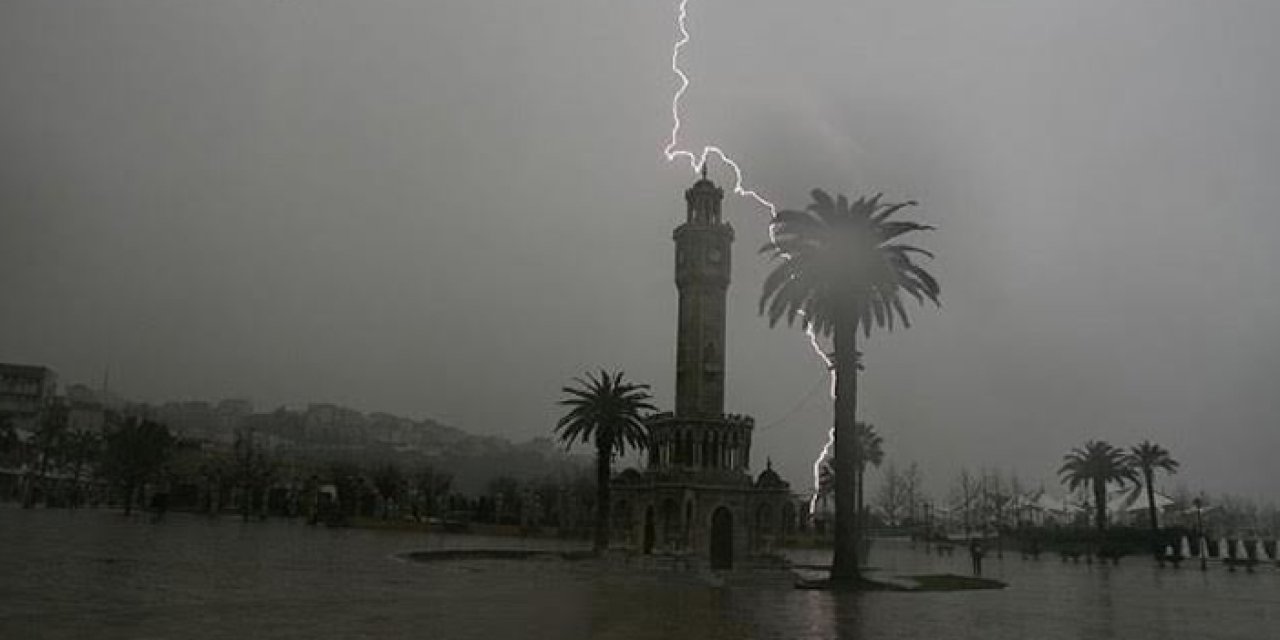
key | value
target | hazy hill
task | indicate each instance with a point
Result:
(324, 432)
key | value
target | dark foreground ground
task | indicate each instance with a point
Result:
(96, 574)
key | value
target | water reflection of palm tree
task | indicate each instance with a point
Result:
(840, 271)
(608, 410)
(848, 615)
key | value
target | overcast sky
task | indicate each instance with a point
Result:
(447, 209)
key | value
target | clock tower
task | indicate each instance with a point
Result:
(702, 278)
(696, 494)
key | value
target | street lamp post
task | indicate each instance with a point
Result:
(1200, 531)
(928, 527)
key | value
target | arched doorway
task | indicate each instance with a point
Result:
(648, 530)
(722, 539)
(670, 524)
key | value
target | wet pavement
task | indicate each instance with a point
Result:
(94, 573)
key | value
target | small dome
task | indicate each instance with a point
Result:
(769, 479)
(629, 476)
(704, 183)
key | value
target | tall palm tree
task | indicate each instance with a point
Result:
(608, 410)
(839, 270)
(1146, 457)
(1097, 464)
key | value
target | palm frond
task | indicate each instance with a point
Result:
(840, 250)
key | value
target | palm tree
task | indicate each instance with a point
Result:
(1146, 458)
(607, 410)
(1096, 464)
(839, 270)
(871, 446)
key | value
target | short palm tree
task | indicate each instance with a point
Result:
(871, 447)
(840, 270)
(1097, 464)
(606, 410)
(1146, 457)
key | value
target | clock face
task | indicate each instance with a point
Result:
(714, 255)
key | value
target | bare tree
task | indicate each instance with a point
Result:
(912, 487)
(892, 498)
(996, 499)
(966, 494)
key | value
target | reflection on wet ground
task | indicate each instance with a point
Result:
(67, 574)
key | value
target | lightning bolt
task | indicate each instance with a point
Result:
(697, 161)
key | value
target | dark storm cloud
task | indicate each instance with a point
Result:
(448, 209)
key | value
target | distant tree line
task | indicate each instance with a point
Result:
(134, 462)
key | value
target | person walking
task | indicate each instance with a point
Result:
(975, 553)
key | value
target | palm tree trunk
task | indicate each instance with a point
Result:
(1151, 510)
(844, 564)
(1100, 504)
(604, 452)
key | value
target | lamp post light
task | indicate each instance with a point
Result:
(1200, 548)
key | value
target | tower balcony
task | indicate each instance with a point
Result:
(717, 445)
